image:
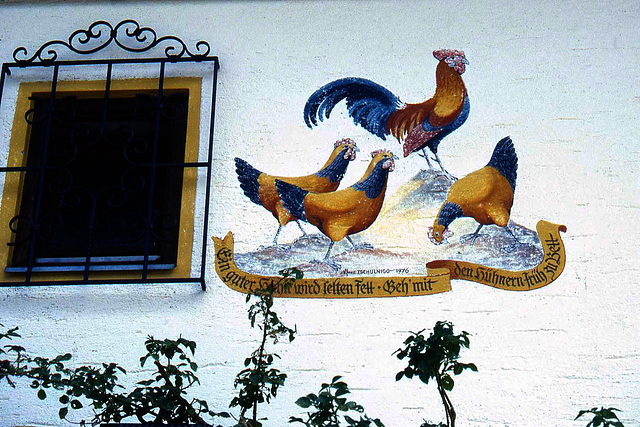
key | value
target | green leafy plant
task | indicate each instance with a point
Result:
(434, 358)
(160, 399)
(328, 403)
(604, 417)
(258, 382)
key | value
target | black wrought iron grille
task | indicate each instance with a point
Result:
(101, 188)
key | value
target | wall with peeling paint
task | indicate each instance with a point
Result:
(560, 79)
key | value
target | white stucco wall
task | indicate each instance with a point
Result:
(561, 79)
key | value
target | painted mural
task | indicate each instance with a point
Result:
(402, 243)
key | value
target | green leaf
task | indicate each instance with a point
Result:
(64, 399)
(342, 391)
(62, 413)
(408, 372)
(76, 404)
(304, 402)
(447, 382)
(41, 394)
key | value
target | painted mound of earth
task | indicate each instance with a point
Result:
(400, 243)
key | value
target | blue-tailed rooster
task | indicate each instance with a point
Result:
(382, 113)
(345, 212)
(485, 195)
(260, 187)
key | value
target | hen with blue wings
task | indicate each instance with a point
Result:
(345, 212)
(485, 195)
(260, 187)
(419, 126)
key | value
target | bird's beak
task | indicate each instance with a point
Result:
(465, 61)
(395, 157)
(356, 149)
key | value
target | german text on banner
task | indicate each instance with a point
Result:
(437, 280)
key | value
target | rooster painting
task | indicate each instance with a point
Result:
(260, 187)
(345, 212)
(381, 112)
(485, 195)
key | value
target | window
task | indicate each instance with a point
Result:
(101, 175)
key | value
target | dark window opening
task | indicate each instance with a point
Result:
(103, 185)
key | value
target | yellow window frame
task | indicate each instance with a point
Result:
(12, 190)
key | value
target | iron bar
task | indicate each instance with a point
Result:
(43, 161)
(208, 186)
(107, 89)
(5, 72)
(109, 61)
(152, 180)
(158, 165)
(102, 282)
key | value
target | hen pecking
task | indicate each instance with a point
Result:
(485, 195)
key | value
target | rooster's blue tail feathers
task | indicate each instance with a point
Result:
(368, 103)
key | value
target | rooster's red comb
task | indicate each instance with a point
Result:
(441, 54)
(375, 153)
(344, 141)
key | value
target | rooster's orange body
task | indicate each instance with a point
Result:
(422, 125)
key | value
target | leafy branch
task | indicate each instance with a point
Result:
(158, 399)
(435, 358)
(328, 403)
(258, 381)
(604, 417)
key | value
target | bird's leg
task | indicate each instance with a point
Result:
(472, 236)
(275, 239)
(517, 242)
(326, 257)
(360, 246)
(279, 247)
(426, 157)
(327, 261)
(444, 171)
(304, 233)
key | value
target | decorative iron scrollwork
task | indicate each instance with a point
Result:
(127, 34)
